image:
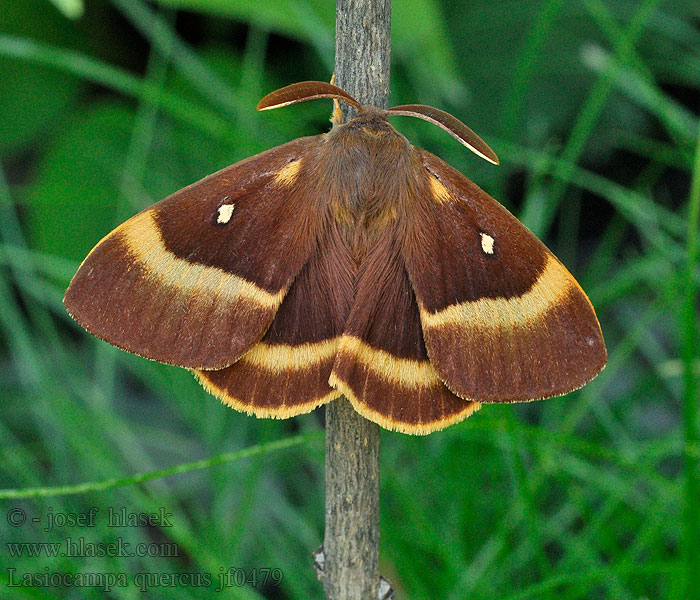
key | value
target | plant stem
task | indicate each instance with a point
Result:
(362, 50)
(351, 545)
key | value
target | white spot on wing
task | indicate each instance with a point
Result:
(225, 212)
(487, 243)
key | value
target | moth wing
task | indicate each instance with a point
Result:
(503, 319)
(286, 373)
(382, 365)
(196, 279)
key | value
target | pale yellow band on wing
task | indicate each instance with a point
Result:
(405, 372)
(282, 357)
(392, 424)
(283, 411)
(287, 174)
(440, 193)
(143, 239)
(551, 287)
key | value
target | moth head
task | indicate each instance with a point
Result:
(311, 90)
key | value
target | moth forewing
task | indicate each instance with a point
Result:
(510, 323)
(185, 282)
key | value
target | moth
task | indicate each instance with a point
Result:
(350, 263)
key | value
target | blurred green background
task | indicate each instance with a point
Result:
(592, 105)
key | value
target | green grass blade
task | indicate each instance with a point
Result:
(108, 484)
(116, 79)
(157, 30)
(525, 70)
(589, 114)
(689, 344)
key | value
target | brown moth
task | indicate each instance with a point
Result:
(345, 263)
